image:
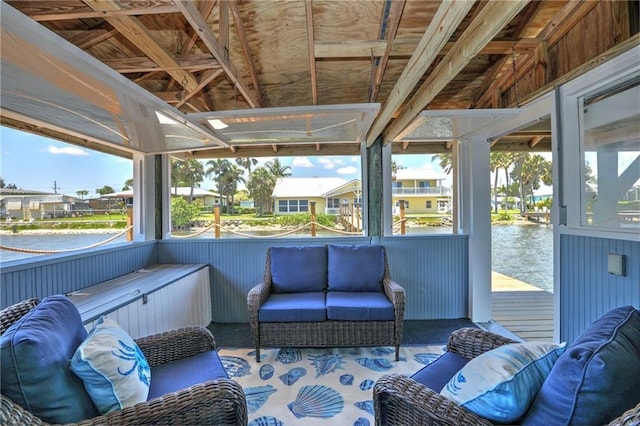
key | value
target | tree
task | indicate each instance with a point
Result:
(187, 173)
(497, 161)
(529, 171)
(277, 169)
(246, 163)
(105, 190)
(394, 169)
(82, 193)
(445, 162)
(182, 213)
(128, 184)
(228, 182)
(3, 184)
(260, 187)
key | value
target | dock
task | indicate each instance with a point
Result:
(521, 308)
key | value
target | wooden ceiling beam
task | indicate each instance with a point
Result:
(95, 35)
(207, 78)
(206, 7)
(144, 64)
(282, 151)
(194, 17)
(406, 47)
(391, 25)
(311, 45)
(133, 30)
(444, 23)
(246, 50)
(493, 17)
(64, 12)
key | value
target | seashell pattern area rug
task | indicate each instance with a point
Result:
(318, 386)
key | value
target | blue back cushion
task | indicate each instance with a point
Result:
(597, 378)
(184, 373)
(35, 353)
(298, 269)
(355, 268)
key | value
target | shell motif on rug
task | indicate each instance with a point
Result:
(375, 364)
(289, 355)
(317, 401)
(257, 396)
(291, 377)
(266, 371)
(267, 421)
(327, 363)
(235, 366)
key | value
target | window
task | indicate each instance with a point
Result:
(428, 204)
(293, 206)
(610, 132)
(333, 203)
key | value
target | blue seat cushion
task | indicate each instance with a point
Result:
(355, 267)
(439, 372)
(298, 269)
(597, 378)
(184, 373)
(34, 358)
(359, 306)
(293, 307)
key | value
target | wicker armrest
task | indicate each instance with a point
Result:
(471, 342)
(216, 402)
(407, 402)
(628, 418)
(13, 313)
(394, 292)
(176, 344)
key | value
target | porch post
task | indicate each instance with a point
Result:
(475, 215)
(144, 201)
(374, 188)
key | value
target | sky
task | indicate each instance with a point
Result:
(36, 163)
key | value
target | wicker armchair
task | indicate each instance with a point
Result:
(218, 402)
(400, 400)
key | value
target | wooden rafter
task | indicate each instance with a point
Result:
(196, 20)
(493, 17)
(143, 64)
(391, 24)
(207, 78)
(445, 21)
(405, 47)
(50, 13)
(312, 59)
(96, 35)
(131, 28)
(206, 8)
(246, 50)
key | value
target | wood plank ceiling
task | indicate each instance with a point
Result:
(407, 55)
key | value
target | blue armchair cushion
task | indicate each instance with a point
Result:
(293, 307)
(112, 367)
(35, 353)
(439, 372)
(355, 268)
(184, 373)
(359, 306)
(298, 269)
(597, 378)
(500, 384)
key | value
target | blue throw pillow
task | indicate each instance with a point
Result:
(500, 384)
(112, 366)
(355, 268)
(35, 353)
(597, 378)
(298, 269)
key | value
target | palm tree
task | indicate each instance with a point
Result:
(529, 171)
(228, 182)
(277, 169)
(82, 193)
(246, 163)
(187, 173)
(446, 162)
(128, 184)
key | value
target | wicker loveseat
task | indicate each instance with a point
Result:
(594, 381)
(213, 401)
(326, 296)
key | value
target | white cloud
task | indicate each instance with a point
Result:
(355, 159)
(326, 163)
(68, 150)
(301, 162)
(349, 170)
